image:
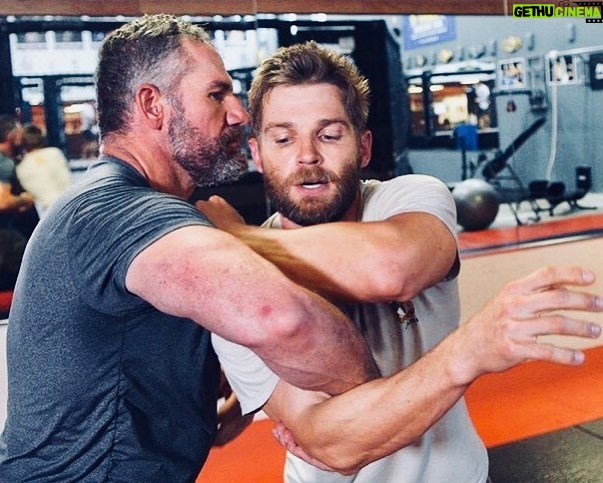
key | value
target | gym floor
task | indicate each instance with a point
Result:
(541, 423)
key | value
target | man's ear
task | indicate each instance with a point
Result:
(255, 154)
(150, 104)
(366, 143)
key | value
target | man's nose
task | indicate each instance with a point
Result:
(308, 153)
(236, 114)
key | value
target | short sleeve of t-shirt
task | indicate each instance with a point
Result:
(113, 220)
(250, 378)
(408, 193)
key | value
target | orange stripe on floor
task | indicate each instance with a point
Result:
(536, 398)
(254, 457)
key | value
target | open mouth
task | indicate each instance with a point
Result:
(312, 185)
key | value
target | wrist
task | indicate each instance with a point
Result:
(459, 365)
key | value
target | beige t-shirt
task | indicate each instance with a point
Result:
(45, 174)
(451, 450)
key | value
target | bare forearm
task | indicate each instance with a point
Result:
(376, 419)
(371, 262)
(389, 414)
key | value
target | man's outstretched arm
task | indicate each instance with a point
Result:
(376, 419)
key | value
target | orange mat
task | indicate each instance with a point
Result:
(475, 243)
(254, 457)
(537, 398)
(529, 400)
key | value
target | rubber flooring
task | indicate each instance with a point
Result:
(573, 455)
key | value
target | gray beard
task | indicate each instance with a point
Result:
(207, 161)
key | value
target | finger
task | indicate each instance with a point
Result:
(557, 354)
(563, 299)
(229, 409)
(229, 431)
(556, 324)
(552, 276)
(284, 437)
(217, 199)
(301, 454)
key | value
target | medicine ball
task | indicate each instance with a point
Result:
(477, 204)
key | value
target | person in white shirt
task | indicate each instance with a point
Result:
(44, 171)
(386, 253)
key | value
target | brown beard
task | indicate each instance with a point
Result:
(314, 210)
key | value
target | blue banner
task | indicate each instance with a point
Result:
(422, 30)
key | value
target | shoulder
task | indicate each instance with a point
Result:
(409, 188)
(408, 193)
(272, 222)
(119, 199)
(407, 181)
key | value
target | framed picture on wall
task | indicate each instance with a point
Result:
(536, 79)
(566, 69)
(596, 71)
(511, 74)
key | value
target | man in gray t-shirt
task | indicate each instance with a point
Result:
(111, 376)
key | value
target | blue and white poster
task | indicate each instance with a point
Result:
(422, 30)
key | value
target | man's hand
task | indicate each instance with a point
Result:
(505, 331)
(231, 421)
(220, 213)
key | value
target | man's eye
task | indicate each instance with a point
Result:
(330, 137)
(281, 140)
(217, 96)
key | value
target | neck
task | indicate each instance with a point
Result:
(162, 173)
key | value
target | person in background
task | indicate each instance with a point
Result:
(16, 218)
(89, 130)
(111, 373)
(386, 252)
(43, 171)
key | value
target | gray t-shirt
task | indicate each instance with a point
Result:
(451, 450)
(102, 386)
(7, 169)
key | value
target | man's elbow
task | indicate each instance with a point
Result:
(341, 460)
(403, 280)
(393, 283)
(281, 332)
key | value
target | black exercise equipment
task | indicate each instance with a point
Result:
(554, 193)
(477, 204)
(466, 139)
(500, 174)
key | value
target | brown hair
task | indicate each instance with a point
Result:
(8, 124)
(310, 63)
(33, 137)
